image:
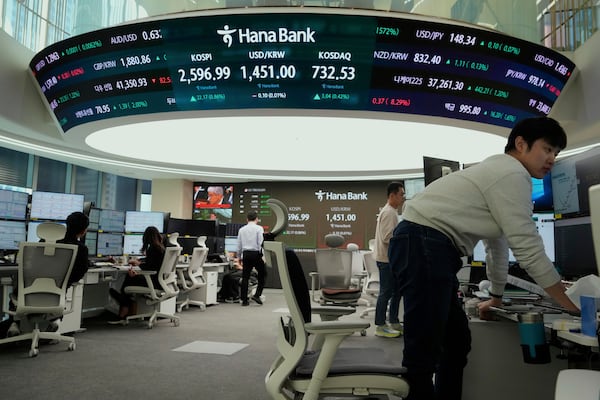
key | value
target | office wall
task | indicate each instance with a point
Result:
(174, 196)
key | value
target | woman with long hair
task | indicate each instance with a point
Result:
(154, 253)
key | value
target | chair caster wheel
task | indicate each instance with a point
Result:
(363, 333)
(176, 322)
(33, 352)
(150, 325)
(72, 346)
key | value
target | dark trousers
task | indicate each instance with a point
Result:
(252, 259)
(437, 338)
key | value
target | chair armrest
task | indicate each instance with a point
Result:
(331, 313)
(336, 327)
(142, 272)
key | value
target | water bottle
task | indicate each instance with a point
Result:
(533, 338)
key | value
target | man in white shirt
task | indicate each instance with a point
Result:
(249, 250)
(490, 201)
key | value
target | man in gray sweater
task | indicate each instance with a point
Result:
(490, 201)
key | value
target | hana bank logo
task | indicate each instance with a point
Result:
(279, 35)
(333, 196)
(320, 195)
(226, 35)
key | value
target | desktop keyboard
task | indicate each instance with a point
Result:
(103, 264)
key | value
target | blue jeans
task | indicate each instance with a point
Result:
(437, 338)
(389, 292)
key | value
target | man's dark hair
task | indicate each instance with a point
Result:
(394, 187)
(532, 129)
(251, 216)
(77, 222)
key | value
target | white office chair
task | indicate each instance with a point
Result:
(580, 384)
(154, 297)
(333, 279)
(191, 278)
(371, 286)
(43, 274)
(300, 371)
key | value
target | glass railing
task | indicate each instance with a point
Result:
(559, 24)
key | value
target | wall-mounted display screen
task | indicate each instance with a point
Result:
(110, 244)
(13, 204)
(55, 206)
(545, 226)
(213, 202)
(138, 221)
(314, 209)
(111, 221)
(11, 233)
(299, 60)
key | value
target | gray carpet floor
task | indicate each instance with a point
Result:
(224, 353)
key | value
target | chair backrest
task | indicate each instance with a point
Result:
(198, 259)
(372, 283)
(167, 276)
(51, 231)
(173, 239)
(334, 267)
(594, 197)
(295, 290)
(281, 214)
(44, 269)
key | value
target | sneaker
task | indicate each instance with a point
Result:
(398, 327)
(118, 322)
(386, 331)
(257, 299)
(13, 330)
(245, 303)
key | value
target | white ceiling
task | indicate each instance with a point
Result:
(294, 147)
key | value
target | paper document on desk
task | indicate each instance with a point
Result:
(523, 284)
(587, 286)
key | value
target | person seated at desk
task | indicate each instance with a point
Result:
(77, 224)
(231, 283)
(154, 253)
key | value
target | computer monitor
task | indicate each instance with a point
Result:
(94, 216)
(110, 244)
(91, 242)
(138, 221)
(192, 227)
(575, 256)
(434, 168)
(187, 244)
(413, 186)
(231, 244)
(54, 206)
(541, 194)
(111, 221)
(545, 226)
(132, 244)
(571, 179)
(594, 194)
(11, 234)
(13, 204)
